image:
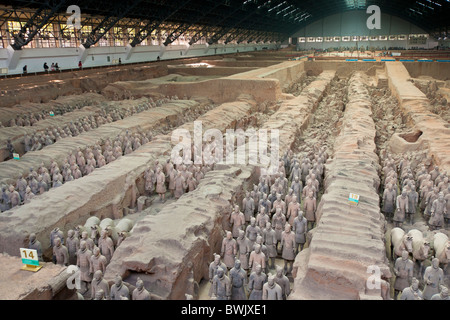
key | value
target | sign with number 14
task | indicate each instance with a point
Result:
(30, 259)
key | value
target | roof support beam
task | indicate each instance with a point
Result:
(40, 18)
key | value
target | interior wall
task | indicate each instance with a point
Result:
(354, 23)
(68, 58)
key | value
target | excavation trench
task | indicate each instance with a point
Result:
(103, 193)
(17, 133)
(59, 106)
(175, 260)
(406, 129)
(171, 113)
(415, 110)
(347, 239)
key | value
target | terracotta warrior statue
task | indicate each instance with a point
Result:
(293, 209)
(213, 267)
(429, 200)
(262, 218)
(179, 184)
(283, 282)
(229, 250)
(412, 292)
(84, 263)
(438, 211)
(98, 283)
(98, 261)
(35, 245)
(278, 222)
(266, 203)
(119, 290)
(279, 203)
(307, 189)
(270, 241)
(60, 253)
(402, 208)
(237, 221)
(238, 279)
(221, 285)
(413, 201)
(256, 282)
(28, 195)
(252, 231)
(297, 187)
(73, 245)
(244, 249)
(433, 278)
(403, 270)
(106, 245)
(248, 206)
(89, 242)
(271, 289)
(389, 201)
(140, 293)
(160, 183)
(257, 257)
(14, 197)
(54, 234)
(300, 227)
(443, 295)
(309, 207)
(259, 241)
(288, 248)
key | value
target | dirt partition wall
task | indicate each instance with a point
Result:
(171, 251)
(343, 68)
(204, 71)
(218, 90)
(264, 84)
(231, 62)
(436, 70)
(49, 283)
(44, 88)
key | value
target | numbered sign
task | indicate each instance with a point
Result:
(353, 198)
(16, 156)
(30, 259)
